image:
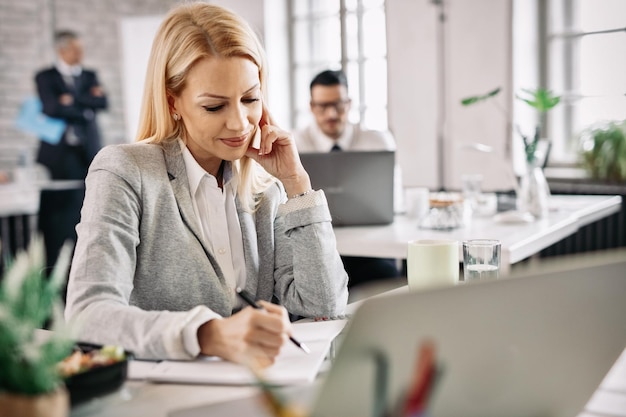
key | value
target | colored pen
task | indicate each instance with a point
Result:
(246, 297)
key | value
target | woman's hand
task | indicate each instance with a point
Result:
(278, 155)
(252, 337)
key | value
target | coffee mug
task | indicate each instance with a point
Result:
(432, 263)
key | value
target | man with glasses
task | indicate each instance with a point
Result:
(330, 106)
(332, 131)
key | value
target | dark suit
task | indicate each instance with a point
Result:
(60, 210)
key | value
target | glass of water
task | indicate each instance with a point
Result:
(481, 259)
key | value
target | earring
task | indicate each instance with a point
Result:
(176, 116)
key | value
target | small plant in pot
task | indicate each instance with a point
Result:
(541, 99)
(30, 383)
(534, 192)
(603, 151)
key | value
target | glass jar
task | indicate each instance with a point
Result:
(447, 212)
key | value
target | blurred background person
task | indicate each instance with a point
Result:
(71, 93)
(332, 131)
(330, 106)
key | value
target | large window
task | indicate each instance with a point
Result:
(586, 63)
(346, 34)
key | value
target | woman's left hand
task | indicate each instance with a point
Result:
(278, 155)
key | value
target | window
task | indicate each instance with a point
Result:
(346, 34)
(585, 63)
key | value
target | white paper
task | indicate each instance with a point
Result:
(292, 365)
(138, 369)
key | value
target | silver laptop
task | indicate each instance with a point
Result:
(358, 185)
(535, 345)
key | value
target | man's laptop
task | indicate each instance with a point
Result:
(358, 185)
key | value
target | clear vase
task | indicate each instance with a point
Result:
(534, 192)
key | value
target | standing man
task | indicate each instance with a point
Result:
(330, 105)
(72, 93)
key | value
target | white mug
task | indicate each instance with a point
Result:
(432, 263)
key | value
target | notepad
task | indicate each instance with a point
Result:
(292, 365)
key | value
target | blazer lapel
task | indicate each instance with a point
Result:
(180, 185)
(58, 79)
(251, 253)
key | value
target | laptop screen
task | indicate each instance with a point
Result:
(358, 185)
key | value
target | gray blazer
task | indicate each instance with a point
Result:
(141, 266)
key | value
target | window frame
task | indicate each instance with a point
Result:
(560, 123)
(359, 110)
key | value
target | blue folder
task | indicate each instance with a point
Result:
(32, 120)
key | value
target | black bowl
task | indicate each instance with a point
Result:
(97, 381)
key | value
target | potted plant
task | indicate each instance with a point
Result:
(534, 191)
(603, 151)
(30, 384)
(540, 99)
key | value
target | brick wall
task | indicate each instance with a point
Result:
(26, 30)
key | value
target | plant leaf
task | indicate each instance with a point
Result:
(541, 99)
(475, 99)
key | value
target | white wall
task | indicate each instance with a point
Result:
(477, 39)
(412, 88)
(137, 34)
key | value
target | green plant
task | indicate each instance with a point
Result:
(28, 299)
(603, 150)
(540, 99)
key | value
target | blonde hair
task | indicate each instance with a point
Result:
(190, 32)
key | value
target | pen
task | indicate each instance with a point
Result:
(245, 297)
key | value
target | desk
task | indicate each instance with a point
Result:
(519, 241)
(141, 398)
(19, 208)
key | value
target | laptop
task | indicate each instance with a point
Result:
(538, 344)
(358, 185)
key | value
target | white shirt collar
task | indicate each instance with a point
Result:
(68, 70)
(326, 142)
(195, 172)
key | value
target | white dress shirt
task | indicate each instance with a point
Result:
(216, 212)
(353, 138)
(68, 72)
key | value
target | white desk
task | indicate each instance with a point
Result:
(140, 398)
(519, 241)
(17, 200)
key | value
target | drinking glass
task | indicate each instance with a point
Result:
(481, 259)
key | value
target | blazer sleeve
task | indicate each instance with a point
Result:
(103, 267)
(85, 98)
(310, 279)
(49, 92)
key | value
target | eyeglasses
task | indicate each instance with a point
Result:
(339, 106)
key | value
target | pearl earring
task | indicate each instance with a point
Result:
(176, 116)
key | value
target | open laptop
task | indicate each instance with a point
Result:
(358, 185)
(534, 345)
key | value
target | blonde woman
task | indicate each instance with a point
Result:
(171, 225)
